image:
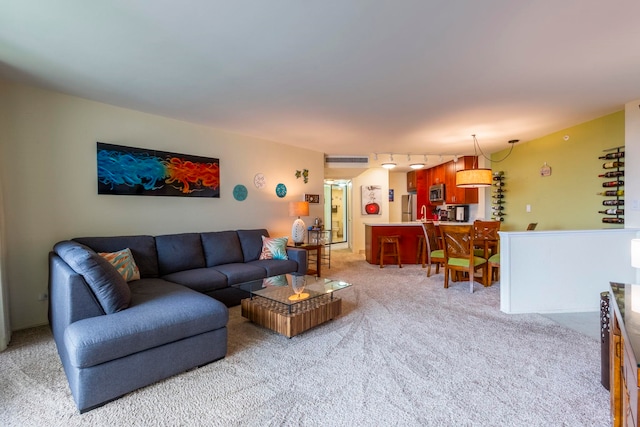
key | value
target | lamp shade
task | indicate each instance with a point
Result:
(298, 208)
(635, 253)
(473, 178)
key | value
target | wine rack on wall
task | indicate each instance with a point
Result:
(613, 186)
(497, 197)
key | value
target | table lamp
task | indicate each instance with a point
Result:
(297, 231)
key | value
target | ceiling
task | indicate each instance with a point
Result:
(344, 77)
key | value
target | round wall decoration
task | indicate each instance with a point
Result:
(240, 192)
(259, 181)
(281, 190)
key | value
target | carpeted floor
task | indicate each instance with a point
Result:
(405, 352)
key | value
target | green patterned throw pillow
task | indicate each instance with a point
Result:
(274, 248)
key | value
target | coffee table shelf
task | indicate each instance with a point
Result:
(271, 307)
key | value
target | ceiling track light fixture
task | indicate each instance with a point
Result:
(390, 164)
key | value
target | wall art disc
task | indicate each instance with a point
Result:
(240, 192)
(281, 190)
(259, 181)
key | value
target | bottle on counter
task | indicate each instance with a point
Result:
(611, 193)
(611, 165)
(612, 212)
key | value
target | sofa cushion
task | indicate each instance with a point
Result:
(143, 249)
(109, 287)
(199, 279)
(221, 247)
(160, 313)
(179, 252)
(274, 267)
(124, 263)
(274, 248)
(239, 273)
(251, 242)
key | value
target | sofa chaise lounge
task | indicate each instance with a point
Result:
(115, 335)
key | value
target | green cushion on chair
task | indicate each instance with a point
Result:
(495, 259)
(478, 252)
(464, 262)
(439, 253)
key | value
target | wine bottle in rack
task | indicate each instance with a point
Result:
(613, 220)
(612, 212)
(611, 174)
(499, 184)
(617, 155)
(497, 202)
(613, 202)
(498, 196)
(613, 184)
(612, 165)
(611, 193)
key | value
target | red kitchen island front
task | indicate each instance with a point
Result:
(408, 232)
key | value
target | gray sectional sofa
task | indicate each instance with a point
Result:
(115, 336)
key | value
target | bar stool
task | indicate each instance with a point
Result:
(421, 254)
(394, 242)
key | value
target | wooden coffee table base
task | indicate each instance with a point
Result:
(304, 316)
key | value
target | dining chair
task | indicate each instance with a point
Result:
(494, 266)
(458, 252)
(486, 242)
(434, 254)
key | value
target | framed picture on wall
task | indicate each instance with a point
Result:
(371, 200)
(391, 195)
(312, 198)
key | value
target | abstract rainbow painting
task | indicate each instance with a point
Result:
(137, 171)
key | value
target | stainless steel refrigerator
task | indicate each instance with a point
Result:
(409, 207)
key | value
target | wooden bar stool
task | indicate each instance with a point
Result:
(421, 254)
(394, 243)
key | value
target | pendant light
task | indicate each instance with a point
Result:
(474, 177)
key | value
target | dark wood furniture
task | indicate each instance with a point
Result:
(459, 254)
(624, 345)
(309, 247)
(392, 243)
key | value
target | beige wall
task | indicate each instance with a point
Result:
(48, 178)
(373, 176)
(397, 182)
(567, 199)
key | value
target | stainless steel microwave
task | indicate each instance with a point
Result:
(436, 193)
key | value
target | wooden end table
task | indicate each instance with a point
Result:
(312, 247)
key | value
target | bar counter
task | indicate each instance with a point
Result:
(408, 232)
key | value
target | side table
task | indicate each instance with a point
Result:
(312, 247)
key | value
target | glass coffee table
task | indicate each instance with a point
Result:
(290, 304)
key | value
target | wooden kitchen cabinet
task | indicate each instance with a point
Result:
(412, 184)
(453, 194)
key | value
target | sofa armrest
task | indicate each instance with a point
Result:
(300, 256)
(70, 298)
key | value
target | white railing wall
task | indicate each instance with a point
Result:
(562, 271)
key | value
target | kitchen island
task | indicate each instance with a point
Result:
(408, 232)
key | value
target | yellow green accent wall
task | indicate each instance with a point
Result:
(567, 199)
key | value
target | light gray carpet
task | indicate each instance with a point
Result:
(405, 352)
